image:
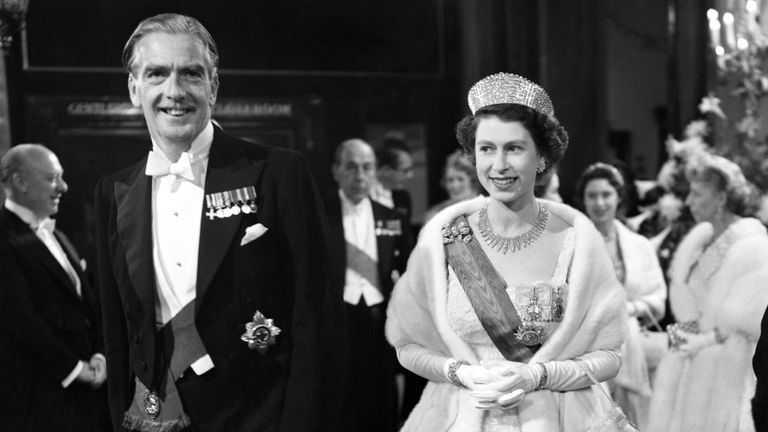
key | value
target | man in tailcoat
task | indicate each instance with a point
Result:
(51, 366)
(214, 262)
(373, 243)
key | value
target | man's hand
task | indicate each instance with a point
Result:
(99, 366)
(87, 374)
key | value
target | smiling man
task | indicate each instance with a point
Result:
(50, 362)
(214, 263)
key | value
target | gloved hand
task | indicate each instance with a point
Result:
(695, 342)
(515, 380)
(473, 376)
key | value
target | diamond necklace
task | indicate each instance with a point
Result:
(516, 243)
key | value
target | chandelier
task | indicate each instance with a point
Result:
(740, 45)
(739, 41)
(12, 13)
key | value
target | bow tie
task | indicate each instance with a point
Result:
(46, 224)
(159, 165)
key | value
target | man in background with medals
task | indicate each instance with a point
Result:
(376, 243)
(213, 268)
(51, 366)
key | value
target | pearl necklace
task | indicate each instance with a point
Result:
(516, 243)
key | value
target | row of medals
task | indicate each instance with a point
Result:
(531, 332)
(231, 203)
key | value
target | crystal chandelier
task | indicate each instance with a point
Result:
(12, 13)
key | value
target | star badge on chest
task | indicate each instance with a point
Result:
(261, 333)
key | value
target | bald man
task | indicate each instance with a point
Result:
(372, 243)
(50, 361)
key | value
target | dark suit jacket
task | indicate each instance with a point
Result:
(392, 249)
(45, 329)
(401, 199)
(760, 365)
(370, 393)
(283, 274)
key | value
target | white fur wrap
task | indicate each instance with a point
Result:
(595, 319)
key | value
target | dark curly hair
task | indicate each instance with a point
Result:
(550, 137)
(605, 171)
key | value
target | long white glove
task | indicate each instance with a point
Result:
(476, 377)
(561, 376)
(515, 381)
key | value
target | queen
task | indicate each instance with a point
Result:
(508, 301)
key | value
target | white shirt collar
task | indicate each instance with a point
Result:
(25, 214)
(348, 206)
(382, 195)
(200, 147)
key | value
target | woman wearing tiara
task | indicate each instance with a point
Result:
(508, 300)
(718, 291)
(601, 191)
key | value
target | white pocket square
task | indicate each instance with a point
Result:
(252, 233)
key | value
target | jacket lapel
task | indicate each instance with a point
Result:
(336, 225)
(25, 239)
(134, 226)
(228, 169)
(383, 246)
(74, 261)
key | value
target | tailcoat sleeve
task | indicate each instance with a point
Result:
(113, 315)
(312, 400)
(21, 322)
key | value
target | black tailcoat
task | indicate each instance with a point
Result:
(45, 329)
(284, 274)
(370, 394)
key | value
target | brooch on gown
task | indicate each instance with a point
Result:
(457, 232)
(531, 331)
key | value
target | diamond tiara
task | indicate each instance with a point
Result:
(503, 88)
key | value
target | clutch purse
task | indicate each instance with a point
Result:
(614, 420)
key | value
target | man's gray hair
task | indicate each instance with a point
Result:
(173, 24)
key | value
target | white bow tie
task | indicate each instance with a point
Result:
(159, 165)
(46, 224)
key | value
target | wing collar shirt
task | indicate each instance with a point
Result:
(359, 231)
(382, 195)
(177, 203)
(43, 229)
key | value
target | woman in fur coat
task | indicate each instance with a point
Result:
(507, 300)
(718, 292)
(600, 190)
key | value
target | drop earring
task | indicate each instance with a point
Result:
(541, 166)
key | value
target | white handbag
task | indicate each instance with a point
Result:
(614, 420)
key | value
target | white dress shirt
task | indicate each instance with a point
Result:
(177, 207)
(176, 215)
(359, 231)
(53, 246)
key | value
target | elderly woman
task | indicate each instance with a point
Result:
(507, 300)
(718, 292)
(601, 192)
(459, 180)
